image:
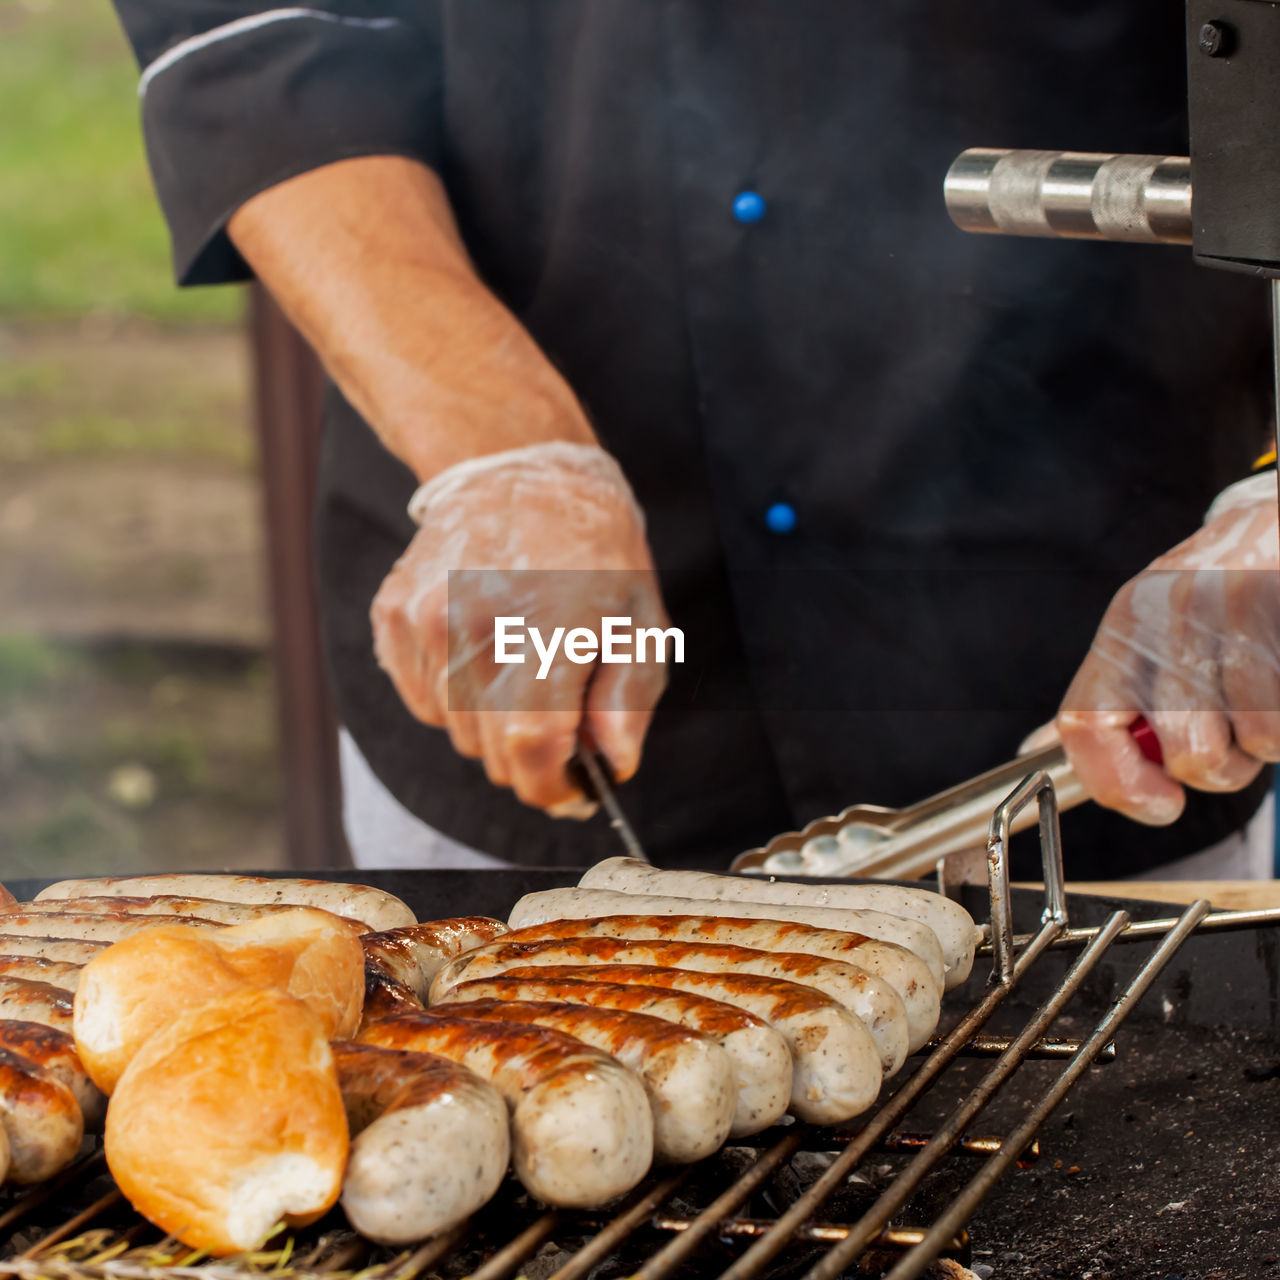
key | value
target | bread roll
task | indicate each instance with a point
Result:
(229, 1120)
(139, 985)
(311, 953)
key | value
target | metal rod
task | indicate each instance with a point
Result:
(431, 1252)
(1145, 930)
(66, 1230)
(605, 1241)
(963, 1206)
(704, 1226)
(899, 1142)
(604, 792)
(1071, 194)
(1037, 786)
(994, 1046)
(814, 1233)
(843, 1255)
(87, 1169)
(766, 1249)
(517, 1249)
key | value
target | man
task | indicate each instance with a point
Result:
(619, 285)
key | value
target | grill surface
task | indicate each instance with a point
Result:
(1160, 1165)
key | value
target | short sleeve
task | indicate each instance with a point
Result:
(237, 98)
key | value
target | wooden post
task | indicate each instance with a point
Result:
(288, 397)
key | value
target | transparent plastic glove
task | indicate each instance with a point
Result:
(1193, 644)
(550, 533)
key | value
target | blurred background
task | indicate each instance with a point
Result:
(137, 714)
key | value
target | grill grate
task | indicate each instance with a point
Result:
(682, 1222)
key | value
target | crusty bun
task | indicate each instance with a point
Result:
(229, 1120)
(312, 954)
(132, 989)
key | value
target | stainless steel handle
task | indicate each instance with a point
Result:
(1073, 194)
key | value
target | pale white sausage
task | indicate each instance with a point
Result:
(372, 907)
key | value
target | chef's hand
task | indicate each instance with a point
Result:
(551, 533)
(1192, 644)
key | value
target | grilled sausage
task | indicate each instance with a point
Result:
(904, 972)
(430, 1142)
(761, 1060)
(41, 1119)
(169, 905)
(873, 1002)
(836, 1073)
(689, 1076)
(35, 1002)
(72, 950)
(950, 922)
(53, 1053)
(57, 973)
(414, 955)
(581, 904)
(87, 928)
(582, 1131)
(372, 907)
(384, 996)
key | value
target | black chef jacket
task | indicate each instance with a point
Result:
(892, 473)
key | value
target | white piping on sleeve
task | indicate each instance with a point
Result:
(251, 22)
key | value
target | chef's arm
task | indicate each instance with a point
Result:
(364, 257)
(300, 143)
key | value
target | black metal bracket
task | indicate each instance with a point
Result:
(1233, 94)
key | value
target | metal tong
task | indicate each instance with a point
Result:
(872, 841)
(598, 784)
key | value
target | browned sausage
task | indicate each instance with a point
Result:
(836, 1072)
(57, 973)
(761, 1060)
(53, 1053)
(41, 1119)
(168, 905)
(689, 1077)
(430, 1141)
(912, 1003)
(90, 928)
(582, 1131)
(72, 950)
(874, 1005)
(415, 954)
(36, 1002)
(384, 996)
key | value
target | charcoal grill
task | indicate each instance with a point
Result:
(1184, 1110)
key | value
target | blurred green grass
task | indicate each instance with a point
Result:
(80, 231)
